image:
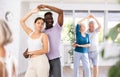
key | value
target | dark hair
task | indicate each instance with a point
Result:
(47, 13)
(39, 18)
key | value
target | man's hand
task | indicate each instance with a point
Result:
(25, 54)
(41, 6)
(74, 45)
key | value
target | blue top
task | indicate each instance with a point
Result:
(81, 40)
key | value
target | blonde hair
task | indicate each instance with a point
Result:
(5, 33)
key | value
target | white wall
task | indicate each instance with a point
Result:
(73, 1)
(80, 6)
(23, 40)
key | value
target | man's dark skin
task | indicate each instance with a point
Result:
(25, 53)
(49, 21)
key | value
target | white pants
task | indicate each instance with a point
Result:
(85, 61)
(38, 67)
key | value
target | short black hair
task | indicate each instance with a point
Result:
(47, 13)
(39, 18)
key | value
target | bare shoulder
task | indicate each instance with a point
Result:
(44, 35)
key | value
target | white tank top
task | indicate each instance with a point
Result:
(34, 44)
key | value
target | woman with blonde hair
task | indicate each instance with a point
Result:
(5, 38)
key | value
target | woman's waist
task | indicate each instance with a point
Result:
(81, 43)
(30, 49)
(81, 49)
(38, 56)
(38, 59)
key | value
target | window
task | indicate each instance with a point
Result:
(79, 14)
(113, 20)
(67, 31)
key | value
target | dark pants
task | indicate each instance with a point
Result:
(55, 68)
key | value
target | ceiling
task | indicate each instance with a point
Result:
(73, 1)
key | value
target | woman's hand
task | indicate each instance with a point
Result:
(30, 53)
(91, 16)
(41, 6)
(88, 17)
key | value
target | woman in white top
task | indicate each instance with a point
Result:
(5, 38)
(38, 46)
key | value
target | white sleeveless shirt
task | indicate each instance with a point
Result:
(34, 44)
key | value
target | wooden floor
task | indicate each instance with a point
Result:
(68, 72)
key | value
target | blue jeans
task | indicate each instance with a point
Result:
(85, 62)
